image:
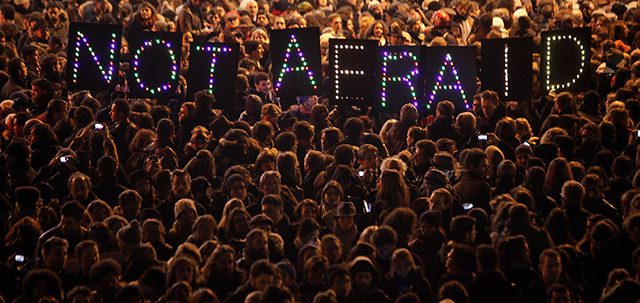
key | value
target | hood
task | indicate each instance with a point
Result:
(362, 263)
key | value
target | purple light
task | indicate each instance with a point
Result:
(385, 54)
(78, 43)
(95, 58)
(287, 55)
(224, 49)
(168, 44)
(300, 54)
(113, 45)
(136, 63)
(415, 104)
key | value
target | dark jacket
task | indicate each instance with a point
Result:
(472, 189)
(491, 286)
(394, 286)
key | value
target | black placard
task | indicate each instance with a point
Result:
(155, 64)
(450, 74)
(93, 56)
(296, 62)
(506, 67)
(350, 70)
(400, 79)
(211, 67)
(566, 56)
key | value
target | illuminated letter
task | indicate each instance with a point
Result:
(344, 72)
(107, 73)
(293, 44)
(582, 53)
(439, 82)
(136, 65)
(214, 51)
(389, 57)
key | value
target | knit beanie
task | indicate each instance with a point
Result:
(253, 104)
(373, 5)
(524, 149)
(184, 205)
(409, 113)
(130, 234)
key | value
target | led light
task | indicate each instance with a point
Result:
(567, 84)
(174, 65)
(448, 61)
(304, 68)
(391, 56)
(214, 52)
(82, 40)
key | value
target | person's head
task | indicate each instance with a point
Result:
(152, 231)
(384, 240)
(632, 226)
(332, 194)
(40, 283)
(402, 263)
(441, 199)
(463, 229)
(180, 183)
(559, 293)
(425, 149)
(476, 160)
(490, 102)
(572, 193)
(270, 183)
(257, 243)
(262, 275)
(335, 22)
(79, 186)
(593, 187)
(120, 110)
(273, 207)
(70, 218)
(88, 254)
(105, 276)
(339, 281)
(331, 247)
(550, 265)
(130, 202)
(54, 253)
(185, 211)
(79, 294)
(262, 83)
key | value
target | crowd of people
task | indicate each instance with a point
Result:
(108, 199)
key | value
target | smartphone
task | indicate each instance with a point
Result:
(482, 137)
(526, 143)
(467, 206)
(638, 133)
(361, 173)
(449, 173)
(64, 159)
(367, 207)
(19, 258)
(98, 126)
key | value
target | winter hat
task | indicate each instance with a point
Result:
(165, 127)
(260, 219)
(130, 234)
(363, 264)
(373, 5)
(436, 177)
(614, 56)
(286, 266)
(443, 161)
(498, 22)
(409, 113)
(521, 12)
(506, 170)
(234, 178)
(250, 46)
(524, 149)
(253, 104)
(27, 197)
(184, 205)
(345, 209)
